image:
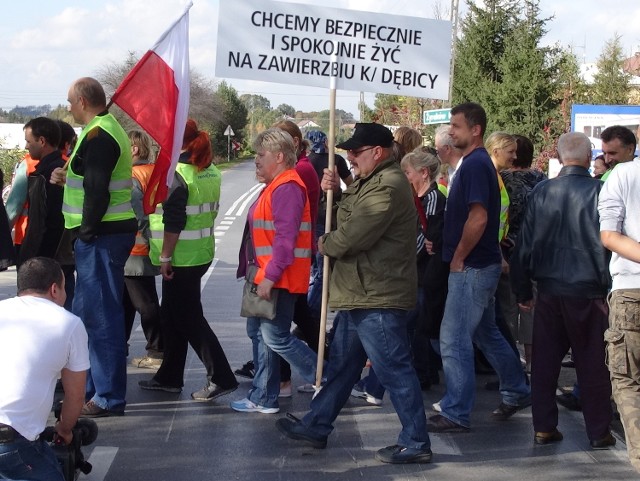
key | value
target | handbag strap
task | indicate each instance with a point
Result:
(422, 216)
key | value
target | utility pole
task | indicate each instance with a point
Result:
(454, 37)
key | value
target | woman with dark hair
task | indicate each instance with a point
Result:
(519, 180)
(182, 244)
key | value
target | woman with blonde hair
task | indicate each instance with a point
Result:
(502, 148)
(406, 140)
(277, 243)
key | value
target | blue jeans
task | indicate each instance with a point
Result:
(98, 302)
(314, 296)
(469, 317)
(29, 461)
(380, 335)
(274, 337)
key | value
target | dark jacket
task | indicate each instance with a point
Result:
(374, 246)
(559, 243)
(46, 222)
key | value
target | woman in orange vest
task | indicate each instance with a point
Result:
(277, 240)
(140, 293)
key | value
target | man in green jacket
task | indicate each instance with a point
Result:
(373, 285)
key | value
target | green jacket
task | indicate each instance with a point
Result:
(374, 245)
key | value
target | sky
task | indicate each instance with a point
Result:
(46, 44)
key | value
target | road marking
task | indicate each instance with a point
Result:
(101, 459)
(205, 278)
(244, 199)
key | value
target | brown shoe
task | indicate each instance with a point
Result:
(440, 424)
(546, 438)
(604, 443)
(505, 411)
(92, 410)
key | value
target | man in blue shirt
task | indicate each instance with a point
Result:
(471, 247)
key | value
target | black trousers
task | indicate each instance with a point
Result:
(560, 323)
(184, 325)
(140, 295)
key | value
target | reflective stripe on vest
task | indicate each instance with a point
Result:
(119, 207)
(295, 277)
(196, 243)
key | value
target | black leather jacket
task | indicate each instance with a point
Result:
(559, 243)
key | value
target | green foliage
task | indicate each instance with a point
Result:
(9, 158)
(286, 109)
(611, 83)
(501, 65)
(234, 114)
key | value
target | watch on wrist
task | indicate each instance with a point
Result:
(165, 259)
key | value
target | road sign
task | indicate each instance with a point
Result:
(229, 131)
(439, 116)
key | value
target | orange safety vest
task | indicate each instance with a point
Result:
(142, 173)
(295, 277)
(20, 227)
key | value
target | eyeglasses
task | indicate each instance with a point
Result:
(356, 153)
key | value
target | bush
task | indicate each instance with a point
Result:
(8, 160)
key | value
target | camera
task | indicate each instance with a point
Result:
(70, 456)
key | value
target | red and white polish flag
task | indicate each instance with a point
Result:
(156, 95)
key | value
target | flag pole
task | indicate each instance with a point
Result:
(326, 268)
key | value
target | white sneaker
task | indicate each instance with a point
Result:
(436, 407)
(246, 406)
(356, 392)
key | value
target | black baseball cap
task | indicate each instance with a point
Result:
(369, 134)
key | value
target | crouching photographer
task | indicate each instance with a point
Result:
(39, 342)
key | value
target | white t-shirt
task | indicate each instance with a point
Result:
(619, 208)
(38, 339)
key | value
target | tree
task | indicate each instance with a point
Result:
(611, 84)
(524, 98)
(234, 114)
(478, 51)
(501, 64)
(254, 102)
(286, 109)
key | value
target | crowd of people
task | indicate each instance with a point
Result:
(442, 257)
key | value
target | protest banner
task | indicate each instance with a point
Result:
(308, 44)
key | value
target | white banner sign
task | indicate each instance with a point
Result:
(307, 45)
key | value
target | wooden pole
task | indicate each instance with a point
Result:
(326, 268)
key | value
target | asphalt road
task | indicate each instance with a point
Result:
(169, 437)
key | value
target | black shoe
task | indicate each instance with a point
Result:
(548, 437)
(92, 410)
(212, 391)
(248, 370)
(569, 401)
(402, 455)
(293, 428)
(440, 424)
(505, 411)
(153, 385)
(604, 443)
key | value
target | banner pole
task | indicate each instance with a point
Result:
(326, 267)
